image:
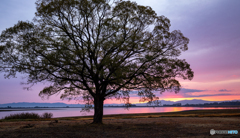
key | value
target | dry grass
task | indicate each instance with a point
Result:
(133, 125)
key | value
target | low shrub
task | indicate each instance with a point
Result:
(28, 116)
(23, 116)
(47, 115)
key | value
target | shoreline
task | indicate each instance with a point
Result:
(186, 113)
(194, 123)
(59, 108)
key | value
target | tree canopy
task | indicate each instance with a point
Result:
(96, 49)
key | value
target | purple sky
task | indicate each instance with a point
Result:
(213, 27)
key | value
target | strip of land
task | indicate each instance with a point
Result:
(189, 113)
(27, 109)
(197, 123)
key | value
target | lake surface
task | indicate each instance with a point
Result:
(70, 112)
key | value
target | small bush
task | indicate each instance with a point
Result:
(47, 115)
(28, 116)
(23, 116)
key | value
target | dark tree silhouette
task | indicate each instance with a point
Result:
(96, 49)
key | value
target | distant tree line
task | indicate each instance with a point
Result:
(176, 104)
(130, 105)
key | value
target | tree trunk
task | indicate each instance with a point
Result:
(98, 110)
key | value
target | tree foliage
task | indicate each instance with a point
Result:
(96, 49)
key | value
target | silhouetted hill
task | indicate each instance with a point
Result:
(26, 104)
(194, 101)
(183, 102)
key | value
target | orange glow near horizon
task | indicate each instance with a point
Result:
(135, 100)
(171, 96)
(179, 99)
(208, 98)
(132, 100)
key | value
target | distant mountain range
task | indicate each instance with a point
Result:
(183, 102)
(26, 104)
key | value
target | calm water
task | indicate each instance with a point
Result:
(67, 112)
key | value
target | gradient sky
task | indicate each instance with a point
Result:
(213, 27)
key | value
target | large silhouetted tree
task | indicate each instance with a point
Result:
(96, 49)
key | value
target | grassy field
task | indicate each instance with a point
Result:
(175, 124)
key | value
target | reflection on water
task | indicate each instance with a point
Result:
(68, 112)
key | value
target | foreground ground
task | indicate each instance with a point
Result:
(178, 124)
